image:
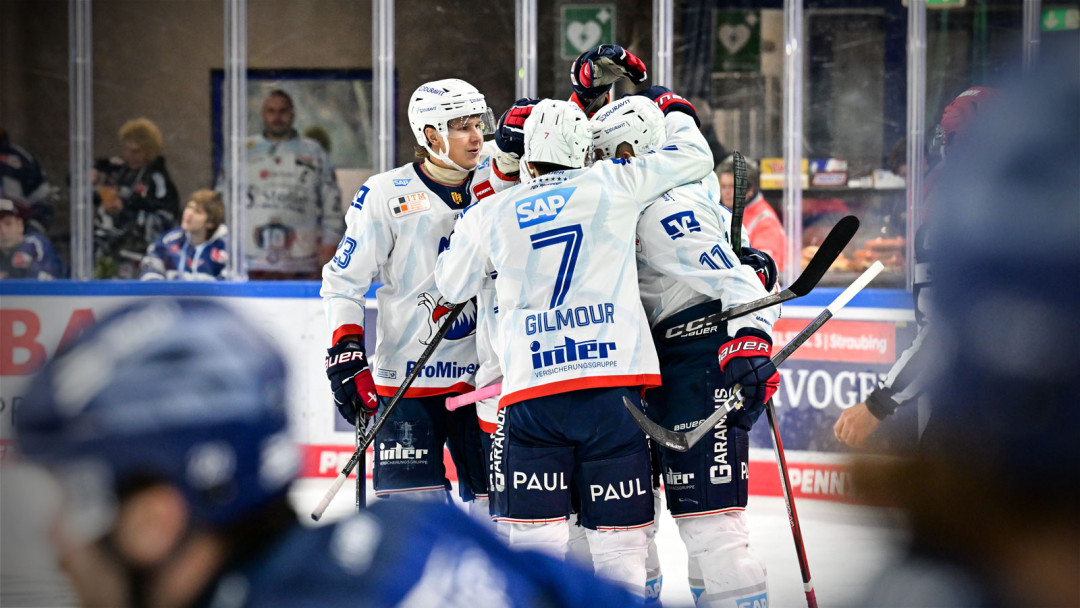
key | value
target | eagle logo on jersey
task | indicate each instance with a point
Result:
(437, 310)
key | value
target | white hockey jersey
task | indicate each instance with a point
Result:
(397, 224)
(570, 315)
(293, 204)
(685, 257)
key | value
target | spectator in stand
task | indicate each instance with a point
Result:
(22, 179)
(760, 221)
(197, 250)
(24, 254)
(136, 201)
(161, 436)
(294, 210)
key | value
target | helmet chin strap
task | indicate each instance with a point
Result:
(446, 156)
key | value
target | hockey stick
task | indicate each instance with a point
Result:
(738, 203)
(681, 442)
(793, 516)
(368, 436)
(453, 403)
(830, 249)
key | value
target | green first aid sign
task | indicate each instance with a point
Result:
(585, 26)
(738, 41)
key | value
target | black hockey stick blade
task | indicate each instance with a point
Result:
(681, 442)
(365, 440)
(738, 202)
(830, 249)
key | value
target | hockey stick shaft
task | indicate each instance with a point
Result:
(793, 515)
(361, 473)
(367, 437)
(491, 390)
(830, 249)
(681, 442)
(738, 202)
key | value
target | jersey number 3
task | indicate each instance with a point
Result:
(570, 238)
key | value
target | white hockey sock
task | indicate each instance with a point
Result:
(579, 546)
(620, 555)
(551, 538)
(654, 577)
(480, 510)
(731, 572)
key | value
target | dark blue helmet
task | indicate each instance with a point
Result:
(179, 391)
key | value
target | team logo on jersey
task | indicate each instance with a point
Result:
(402, 182)
(456, 197)
(437, 310)
(542, 207)
(680, 224)
(410, 203)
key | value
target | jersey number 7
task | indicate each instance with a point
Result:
(570, 238)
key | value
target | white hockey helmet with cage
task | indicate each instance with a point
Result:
(435, 104)
(557, 132)
(634, 120)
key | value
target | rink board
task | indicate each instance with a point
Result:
(836, 369)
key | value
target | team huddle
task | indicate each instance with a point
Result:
(577, 237)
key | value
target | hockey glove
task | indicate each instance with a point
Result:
(745, 360)
(763, 265)
(669, 101)
(350, 379)
(595, 70)
(510, 134)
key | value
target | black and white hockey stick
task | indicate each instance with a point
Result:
(367, 437)
(830, 249)
(681, 442)
(362, 420)
(793, 515)
(738, 203)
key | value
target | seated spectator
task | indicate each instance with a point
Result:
(136, 201)
(760, 220)
(23, 254)
(197, 250)
(22, 179)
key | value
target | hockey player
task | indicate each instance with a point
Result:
(164, 427)
(574, 338)
(687, 270)
(397, 224)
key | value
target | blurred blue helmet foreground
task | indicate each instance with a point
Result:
(1007, 295)
(184, 392)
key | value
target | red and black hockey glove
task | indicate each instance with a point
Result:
(763, 265)
(669, 101)
(745, 360)
(350, 378)
(595, 70)
(510, 133)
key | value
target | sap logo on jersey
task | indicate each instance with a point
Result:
(542, 207)
(757, 601)
(680, 224)
(402, 182)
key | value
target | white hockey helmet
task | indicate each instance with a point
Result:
(437, 103)
(557, 132)
(634, 120)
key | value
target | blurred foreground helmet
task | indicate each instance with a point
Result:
(1006, 301)
(557, 132)
(177, 391)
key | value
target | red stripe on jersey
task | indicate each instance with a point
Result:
(346, 330)
(577, 384)
(424, 391)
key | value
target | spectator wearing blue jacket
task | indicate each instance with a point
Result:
(24, 254)
(197, 250)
